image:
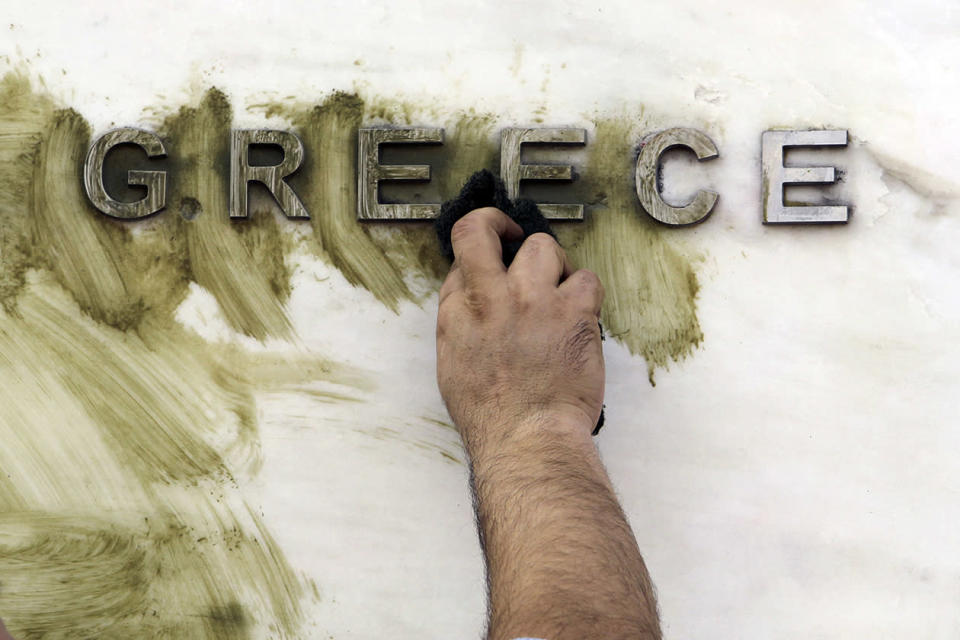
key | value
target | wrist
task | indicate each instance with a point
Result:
(530, 439)
(571, 426)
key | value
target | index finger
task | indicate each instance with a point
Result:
(476, 240)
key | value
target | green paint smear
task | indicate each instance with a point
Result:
(385, 258)
(98, 423)
(239, 262)
(126, 436)
(73, 575)
(651, 287)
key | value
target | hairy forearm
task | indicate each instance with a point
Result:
(562, 561)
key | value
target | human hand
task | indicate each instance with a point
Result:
(4, 634)
(518, 349)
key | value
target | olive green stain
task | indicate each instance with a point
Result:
(48, 223)
(212, 576)
(41, 150)
(327, 185)
(112, 414)
(69, 576)
(228, 621)
(474, 145)
(144, 401)
(126, 435)
(22, 120)
(73, 575)
(470, 144)
(395, 261)
(446, 449)
(651, 286)
(83, 250)
(240, 262)
(97, 421)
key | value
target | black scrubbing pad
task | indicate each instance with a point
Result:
(484, 189)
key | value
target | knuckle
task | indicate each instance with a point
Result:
(524, 295)
(590, 280)
(473, 221)
(477, 302)
(541, 241)
(463, 228)
(595, 284)
(587, 284)
(486, 212)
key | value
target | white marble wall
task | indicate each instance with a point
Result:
(794, 477)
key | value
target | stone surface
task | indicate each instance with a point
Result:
(795, 476)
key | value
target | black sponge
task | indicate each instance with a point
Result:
(484, 189)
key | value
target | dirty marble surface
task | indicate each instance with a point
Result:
(791, 473)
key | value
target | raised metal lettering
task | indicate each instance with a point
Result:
(512, 170)
(154, 181)
(774, 176)
(242, 173)
(371, 172)
(648, 166)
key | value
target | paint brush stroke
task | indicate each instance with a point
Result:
(127, 437)
(329, 131)
(77, 575)
(247, 278)
(106, 426)
(651, 287)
